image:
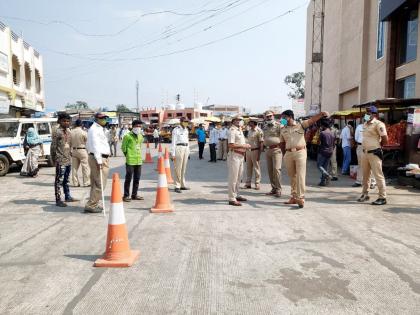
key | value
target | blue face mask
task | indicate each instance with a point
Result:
(367, 117)
(283, 121)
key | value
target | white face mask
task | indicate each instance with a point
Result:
(136, 130)
(241, 123)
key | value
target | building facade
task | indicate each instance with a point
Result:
(21, 76)
(160, 116)
(369, 51)
(227, 110)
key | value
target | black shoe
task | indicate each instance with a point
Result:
(334, 179)
(185, 188)
(126, 199)
(71, 199)
(356, 185)
(137, 198)
(363, 198)
(90, 210)
(61, 204)
(178, 190)
(345, 174)
(322, 184)
(241, 199)
(379, 202)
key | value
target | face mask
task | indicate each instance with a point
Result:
(367, 117)
(102, 122)
(184, 124)
(241, 123)
(136, 131)
(283, 121)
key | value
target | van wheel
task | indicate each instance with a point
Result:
(50, 162)
(4, 165)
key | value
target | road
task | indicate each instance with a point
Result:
(335, 256)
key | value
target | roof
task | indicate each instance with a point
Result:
(388, 102)
(28, 120)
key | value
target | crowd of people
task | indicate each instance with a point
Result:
(241, 146)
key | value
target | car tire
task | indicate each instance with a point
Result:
(50, 162)
(4, 165)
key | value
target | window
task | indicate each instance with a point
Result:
(28, 76)
(170, 115)
(406, 88)
(25, 128)
(37, 81)
(145, 115)
(16, 70)
(380, 40)
(43, 129)
(178, 114)
(408, 37)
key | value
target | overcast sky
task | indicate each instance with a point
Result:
(97, 49)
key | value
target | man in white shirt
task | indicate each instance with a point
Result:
(180, 151)
(358, 137)
(223, 143)
(346, 141)
(99, 152)
(213, 140)
(156, 137)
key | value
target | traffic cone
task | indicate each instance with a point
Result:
(169, 178)
(148, 155)
(163, 204)
(117, 251)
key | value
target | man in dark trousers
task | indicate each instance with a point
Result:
(326, 148)
(131, 148)
(201, 138)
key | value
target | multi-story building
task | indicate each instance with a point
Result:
(227, 110)
(21, 76)
(369, 51)
(160, 116)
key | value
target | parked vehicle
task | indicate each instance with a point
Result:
(12, 134)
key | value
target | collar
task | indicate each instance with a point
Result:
(372, 121)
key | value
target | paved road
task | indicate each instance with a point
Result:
(334, 257)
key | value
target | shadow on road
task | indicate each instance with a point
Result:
(84, 257)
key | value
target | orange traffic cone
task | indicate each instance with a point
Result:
(117, 251)
(169, 178)
(148, 155)
(163, 204)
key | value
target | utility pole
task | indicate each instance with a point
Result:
(137, 95)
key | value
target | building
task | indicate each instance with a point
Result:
(227, 110)
(365, 50)
(160, 116)
(21, 76)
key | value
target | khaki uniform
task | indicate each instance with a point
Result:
(255, 137)
(295, 157)
(273, 154)
(223, 143)
(235, 162)
(372, 133)
(180, 150)
(79, 156)
(95, 177)
(334, 167)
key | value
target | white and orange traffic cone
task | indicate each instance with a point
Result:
(163, 202)
(169, 178)
(148, 155)
(117, 251)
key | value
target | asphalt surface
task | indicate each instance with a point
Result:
(335, 256)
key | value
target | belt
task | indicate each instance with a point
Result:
(79, 148)
(183, 144)
(255, 149)
(274, 146)
(358, 143)
(296, 149)
(369, 151)
(239, 152)
(222, 139)
(103, 155)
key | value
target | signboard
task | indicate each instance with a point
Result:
(4, 63)
(4, 105)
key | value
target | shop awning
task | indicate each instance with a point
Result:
(388, 7)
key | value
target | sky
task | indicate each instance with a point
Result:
(96, 50)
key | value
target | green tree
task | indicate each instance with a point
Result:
(296, 82)
(78, 105)
(121, 108)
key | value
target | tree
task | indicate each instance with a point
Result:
(78, 105)
(121, 108)
(296, 82)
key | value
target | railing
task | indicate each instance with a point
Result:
(26, 45)
(36, 53)
(2, 26)
(14, 36)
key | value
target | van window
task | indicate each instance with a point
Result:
(25, 128)
(43, 129)
(8, 129)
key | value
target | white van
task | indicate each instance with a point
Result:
(12, 134)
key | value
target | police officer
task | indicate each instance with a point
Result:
(180, 151)
(271, 130)
(374, 137)
(293, 145)
(256, 141)
(79, 156)
(237, 148)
